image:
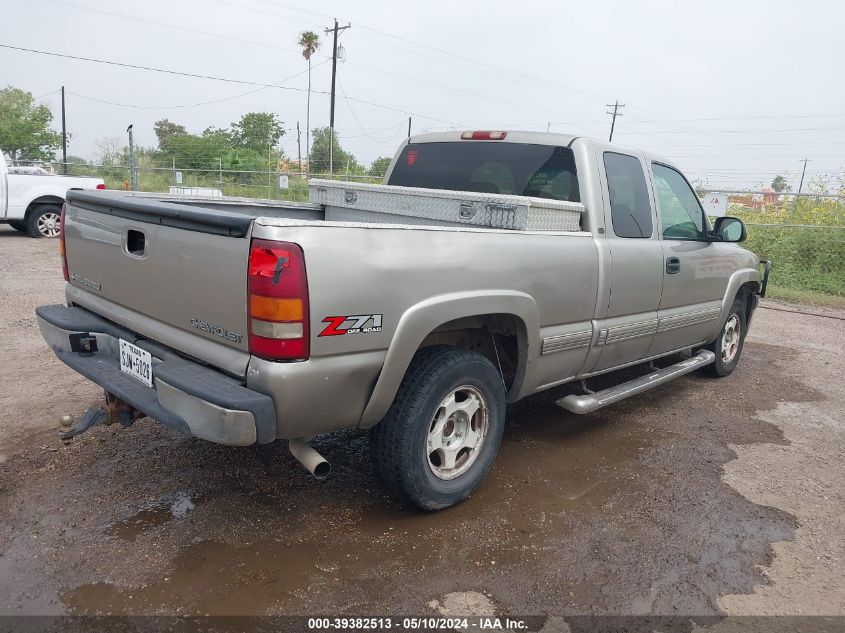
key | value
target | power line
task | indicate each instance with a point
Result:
(215, 78)
(149, 68)
(449, 88)
(171, 26)
(202, 103)
(355, 117)
(491, 69)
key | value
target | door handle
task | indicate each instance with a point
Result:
(673, 265)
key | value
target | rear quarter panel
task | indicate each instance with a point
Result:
(389, 270)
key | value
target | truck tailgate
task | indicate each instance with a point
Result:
(164, 268)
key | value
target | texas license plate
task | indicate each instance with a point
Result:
(136, 362)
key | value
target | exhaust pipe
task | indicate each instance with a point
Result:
(311, 459)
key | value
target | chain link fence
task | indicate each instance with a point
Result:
(803, 235)
(270, 185)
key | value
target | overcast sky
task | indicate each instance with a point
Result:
(734, 92)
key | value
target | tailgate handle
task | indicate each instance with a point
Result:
(136, 243)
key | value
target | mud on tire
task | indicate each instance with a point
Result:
(443, 430)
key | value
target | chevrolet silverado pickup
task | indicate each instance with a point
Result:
(31, 198)
(489, 266)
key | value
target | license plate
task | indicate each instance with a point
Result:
(136, 362)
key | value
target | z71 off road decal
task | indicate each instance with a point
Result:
(352, 324)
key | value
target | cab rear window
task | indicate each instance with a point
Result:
(541, 171)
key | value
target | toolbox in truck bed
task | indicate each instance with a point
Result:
(364, 202)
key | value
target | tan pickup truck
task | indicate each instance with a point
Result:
(491, 266)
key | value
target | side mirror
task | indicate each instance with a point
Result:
(729, 229)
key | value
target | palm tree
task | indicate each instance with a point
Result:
(310, 42)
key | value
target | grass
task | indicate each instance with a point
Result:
(803, 258)
(812, 297)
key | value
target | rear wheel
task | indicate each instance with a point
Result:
(728, 345)
(443, 430)
(44, 221)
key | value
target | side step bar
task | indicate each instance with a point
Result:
(590, 402)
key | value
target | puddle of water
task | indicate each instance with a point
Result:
(212, 578)
(176, 506)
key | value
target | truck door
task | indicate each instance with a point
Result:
(695, 271)
(636, 260)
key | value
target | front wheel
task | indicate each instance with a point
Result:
(728, 345)
(45, 221)
(443, 430)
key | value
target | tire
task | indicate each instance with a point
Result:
(728, 345)
(19, 226)
(43, 221)
(427, 428)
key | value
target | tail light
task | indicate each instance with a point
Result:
(278, 301)
(483, 135)
(62, 250)
(101, 186)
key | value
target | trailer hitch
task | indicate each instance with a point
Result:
(113, 411)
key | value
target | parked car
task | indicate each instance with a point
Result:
(492, 266)
(31, 198)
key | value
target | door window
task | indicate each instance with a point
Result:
(681, 214)
(630, 208)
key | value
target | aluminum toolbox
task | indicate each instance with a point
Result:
(361, 202)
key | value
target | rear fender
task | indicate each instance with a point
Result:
(424, 317)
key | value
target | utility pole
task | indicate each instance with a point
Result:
(335, 31)
(64, 135)
(801, 183)
(298, 149)
(133, 167)
(409, 127)
(615, 114)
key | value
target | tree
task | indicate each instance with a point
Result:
(780, 185)
(318, 161)
(310, 43)
(165, 128)
(200, 152)
(257, 131)
(25, 127)
(110, 150)
(379, 166)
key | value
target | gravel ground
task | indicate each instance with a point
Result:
(700, 497)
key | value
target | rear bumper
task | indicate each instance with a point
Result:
(186, 396)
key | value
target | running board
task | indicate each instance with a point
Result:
(590, 402)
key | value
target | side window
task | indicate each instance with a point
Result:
(630, 209)
(680, 211)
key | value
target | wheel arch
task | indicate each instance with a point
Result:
(42, 200)
(742, 283)
(479, 320)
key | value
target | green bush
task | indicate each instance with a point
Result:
(805, 241)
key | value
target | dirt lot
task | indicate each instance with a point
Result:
(700, 497)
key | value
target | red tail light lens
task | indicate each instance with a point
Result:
(278, 301)
(62, 250)
(483, 135)
(101, 186)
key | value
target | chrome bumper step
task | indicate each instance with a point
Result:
(590, 402)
